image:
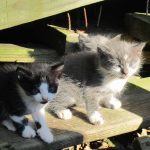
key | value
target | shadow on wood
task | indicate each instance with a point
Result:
(35, 33)
(133, 115)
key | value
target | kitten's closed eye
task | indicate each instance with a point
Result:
(117, 68)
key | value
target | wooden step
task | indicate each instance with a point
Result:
(41, 43)
(133, 115)
(14, 12)
(138, 25)
(15, 53)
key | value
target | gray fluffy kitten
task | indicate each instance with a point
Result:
(96, 75)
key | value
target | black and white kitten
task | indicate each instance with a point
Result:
(24, 89)
(96, 75)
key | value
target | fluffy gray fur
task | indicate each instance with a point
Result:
(96, 75)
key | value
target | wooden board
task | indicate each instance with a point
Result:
(138, 25)
(133, 115)
(15, 53)
(16, 12)
(41, 43)
(56, 41)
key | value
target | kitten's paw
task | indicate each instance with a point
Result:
(96, 118)
(28, 132)
(45, 135)
(64, 114)
(114, 103)
(12, 128)
(9, 125)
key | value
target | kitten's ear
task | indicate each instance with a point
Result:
(57, 70)
(83, 38)
(117, 37)
(138, 47)
(23, 73)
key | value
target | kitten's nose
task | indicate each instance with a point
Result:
(44, 100)
(124, 71)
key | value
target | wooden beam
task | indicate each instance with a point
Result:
(16, 12)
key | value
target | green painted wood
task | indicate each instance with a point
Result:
(141, 82)
(14, 12)
(15, 53)
(133, 115)
(50, 47)
(71, 38)
(62, 40)
(138, 25)
(3, 10)
(71, 35)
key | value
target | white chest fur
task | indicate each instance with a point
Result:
(115, 85)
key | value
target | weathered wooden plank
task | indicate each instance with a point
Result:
(56, 37)
(32, 41)
(138, 25)
(15, 53)
(146, 56)
(71, 38)
(3, 10)
(19, 12)
(133, 115)
(41, 34)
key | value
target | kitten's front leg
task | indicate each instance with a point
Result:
(42, 129)
(92, 106)
(9, 125)
(23, 127)
(112, 102)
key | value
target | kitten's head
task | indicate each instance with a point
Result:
(88, 42)
(42, 85)
(120, 59)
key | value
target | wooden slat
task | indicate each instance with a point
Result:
(138, 25)
(133, 115)
(16, 12)
(146, 56)
(35, 33)
(15, 53)
(41, 44)
(3, 10)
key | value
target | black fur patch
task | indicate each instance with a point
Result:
(11, 102)
(19, 127)
(38, 125)
(25, 121)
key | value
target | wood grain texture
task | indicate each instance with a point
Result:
(16, 12)
(15, 53)
(134, 114)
